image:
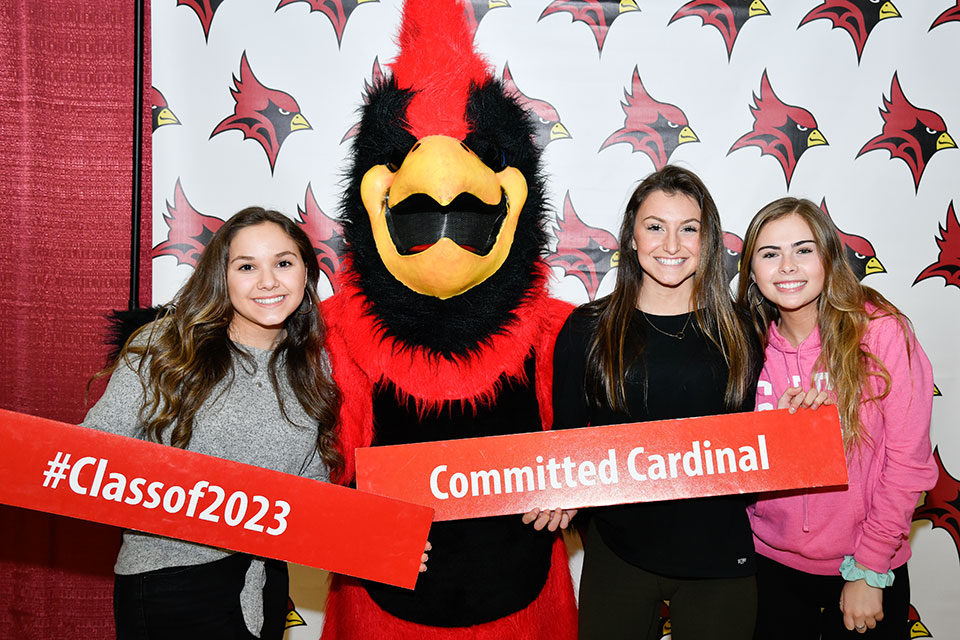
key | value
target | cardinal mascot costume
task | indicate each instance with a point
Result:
(442, 327)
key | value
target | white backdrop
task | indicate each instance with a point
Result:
(318, 54)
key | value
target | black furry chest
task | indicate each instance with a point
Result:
(481, 569)
(514, 410)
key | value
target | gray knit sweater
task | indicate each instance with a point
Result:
(241, 421)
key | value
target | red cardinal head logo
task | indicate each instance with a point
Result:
(952, 14)
(262, 114)
(917, 628)
(726, 17)
(205, 10)
(947, 265)
(161, 114)
(780, 130)
(584, 252)
(732, 251)
(293, 619)
(439, 101)
(909, 133)
(860, 252)
(596, 14)
(665, 626)
(475, 10)
(337, 11)
(188, 231)
(942, 503)
(856, 17)
(376, 77)
(546, 121)
(325, 235)
(651, 127)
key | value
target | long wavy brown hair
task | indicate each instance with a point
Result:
(844, 311)
(617, 345)
(187, 351)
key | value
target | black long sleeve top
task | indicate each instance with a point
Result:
(690, 538)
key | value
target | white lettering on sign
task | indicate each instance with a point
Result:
(521, 479)
(254, 513)
(701, 459)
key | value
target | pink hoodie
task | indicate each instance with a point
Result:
(811, 530)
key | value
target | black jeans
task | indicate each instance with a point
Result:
(795, 605)
(620, 601)
(199, 601)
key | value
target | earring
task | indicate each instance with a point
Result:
(306, 298)
(754, 300)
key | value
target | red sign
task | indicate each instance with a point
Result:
(640, 462)
(82, 473)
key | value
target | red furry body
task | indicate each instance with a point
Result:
(364, 358)
(424, 352)
(352, 614)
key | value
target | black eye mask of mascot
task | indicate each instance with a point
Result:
(442, 327)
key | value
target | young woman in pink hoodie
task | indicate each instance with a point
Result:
(832, 562)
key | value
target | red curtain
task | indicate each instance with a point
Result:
(66, 124)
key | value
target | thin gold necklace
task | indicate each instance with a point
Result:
(677, 336)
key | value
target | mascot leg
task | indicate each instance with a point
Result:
(352, 615)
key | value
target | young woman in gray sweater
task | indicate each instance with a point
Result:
(233, 368)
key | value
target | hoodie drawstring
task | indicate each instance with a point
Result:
(806, 518)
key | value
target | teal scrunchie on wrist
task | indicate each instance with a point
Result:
(850, 572)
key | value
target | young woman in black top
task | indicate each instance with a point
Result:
(665, 344)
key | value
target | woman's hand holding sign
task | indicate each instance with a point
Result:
(550, 519)
(795, 398)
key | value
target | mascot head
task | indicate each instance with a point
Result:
(443, 213)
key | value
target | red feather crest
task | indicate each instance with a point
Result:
(947, 265)
(596, 14)
(846, 15)
(732, 251)
(325, 235)
(650, 127)
(856, 243)
(376, 77)
(205, 10)
(583, 251)
(779, 129)
(337, 11)
(189, 231)
(475, 10)
(261, 113)
(952, 14)
(909, 133)
(942, 503)
(438, 61)
(726, 17)
(546, 120)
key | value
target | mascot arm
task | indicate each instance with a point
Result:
(553, 315)
(355, 422)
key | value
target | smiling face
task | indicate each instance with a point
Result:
(787, 266)
(266, 277)
(666, 236)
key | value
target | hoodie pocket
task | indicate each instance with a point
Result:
(819, 524)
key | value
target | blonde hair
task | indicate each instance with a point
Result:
(844, 312)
